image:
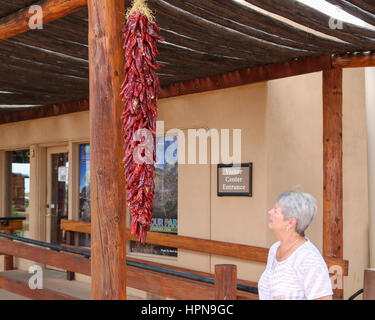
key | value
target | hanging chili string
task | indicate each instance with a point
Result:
(140, 91)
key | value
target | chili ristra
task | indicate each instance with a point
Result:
(139, 93)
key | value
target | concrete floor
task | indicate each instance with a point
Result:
(53, 280)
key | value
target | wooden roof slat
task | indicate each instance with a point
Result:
(248, 16)
(37, 98)
(201, 45)
(32, 89)
(257, 46)
(298, 12)
(355, 11)
(270, 42)
(22, 77)
(196, 32)
(26, 99)
(14, 47)
(12, 6)
(217, 37)
(62, 29)
(169, 51)
(364, 4)
(42, 67)
(53, 44)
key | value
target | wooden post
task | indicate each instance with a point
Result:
(332, 168)
(8, 260)
(369, 285)
(108, 224)
(70, 241)
(225, 282)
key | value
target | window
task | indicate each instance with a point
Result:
(165, 205)
(84, 240)
(164, 218)
(18, 187)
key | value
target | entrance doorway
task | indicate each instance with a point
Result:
(57, 193)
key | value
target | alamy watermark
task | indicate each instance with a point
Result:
(196, 143)
(36, 280)
(336, 277)
(36, 19)
(335, 23)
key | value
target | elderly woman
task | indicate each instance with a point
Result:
(295, 268)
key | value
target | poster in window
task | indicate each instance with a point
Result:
(84, 191)
(164, 218)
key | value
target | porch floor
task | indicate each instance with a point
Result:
(52, 280)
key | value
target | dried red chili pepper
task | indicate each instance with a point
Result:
(139, 92)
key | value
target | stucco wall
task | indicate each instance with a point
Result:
(281, 123)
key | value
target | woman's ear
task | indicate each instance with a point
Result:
(293, 223)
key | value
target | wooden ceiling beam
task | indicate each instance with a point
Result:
(18, 23)
(248, 76)
(354, 60)
(42, 112)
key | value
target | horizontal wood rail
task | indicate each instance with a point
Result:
(11, 225)
(233, 250)
(168, 286)
(45, 256)
(150, 281)
(23, 289)
(18, 22)
(150, 286)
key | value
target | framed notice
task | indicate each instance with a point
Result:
(235, 180)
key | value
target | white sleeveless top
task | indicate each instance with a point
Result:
(302, 276)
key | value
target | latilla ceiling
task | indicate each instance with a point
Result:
(203, 38)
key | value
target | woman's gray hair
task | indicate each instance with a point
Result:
(299, 205)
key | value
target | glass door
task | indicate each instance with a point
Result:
(57, 194)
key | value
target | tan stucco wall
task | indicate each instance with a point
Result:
(281, 124)
(370, 115)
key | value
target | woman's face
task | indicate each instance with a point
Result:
(277, 222)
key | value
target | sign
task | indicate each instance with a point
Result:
(62, 174)
(164, 216)
(235, 180)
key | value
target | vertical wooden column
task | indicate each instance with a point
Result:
(107, 190)
(70, 240)
(369, 284)
(8, 260)
(332, 167)
(225, 282)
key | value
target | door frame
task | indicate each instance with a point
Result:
(47, 222)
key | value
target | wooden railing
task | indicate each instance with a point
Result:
(245, 252)
(9, 227)
(171, 286)
(166, 285)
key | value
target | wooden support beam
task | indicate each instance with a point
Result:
(8, 260)
(332, 167)
(70, 241)
(225, 282)
(44, 256)
(354, 60)
(248, 76)
(75, 226)
(18, 22)
(369, 285)
(43, 112)
(22, 289)
(168, 286)
(108, 214)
